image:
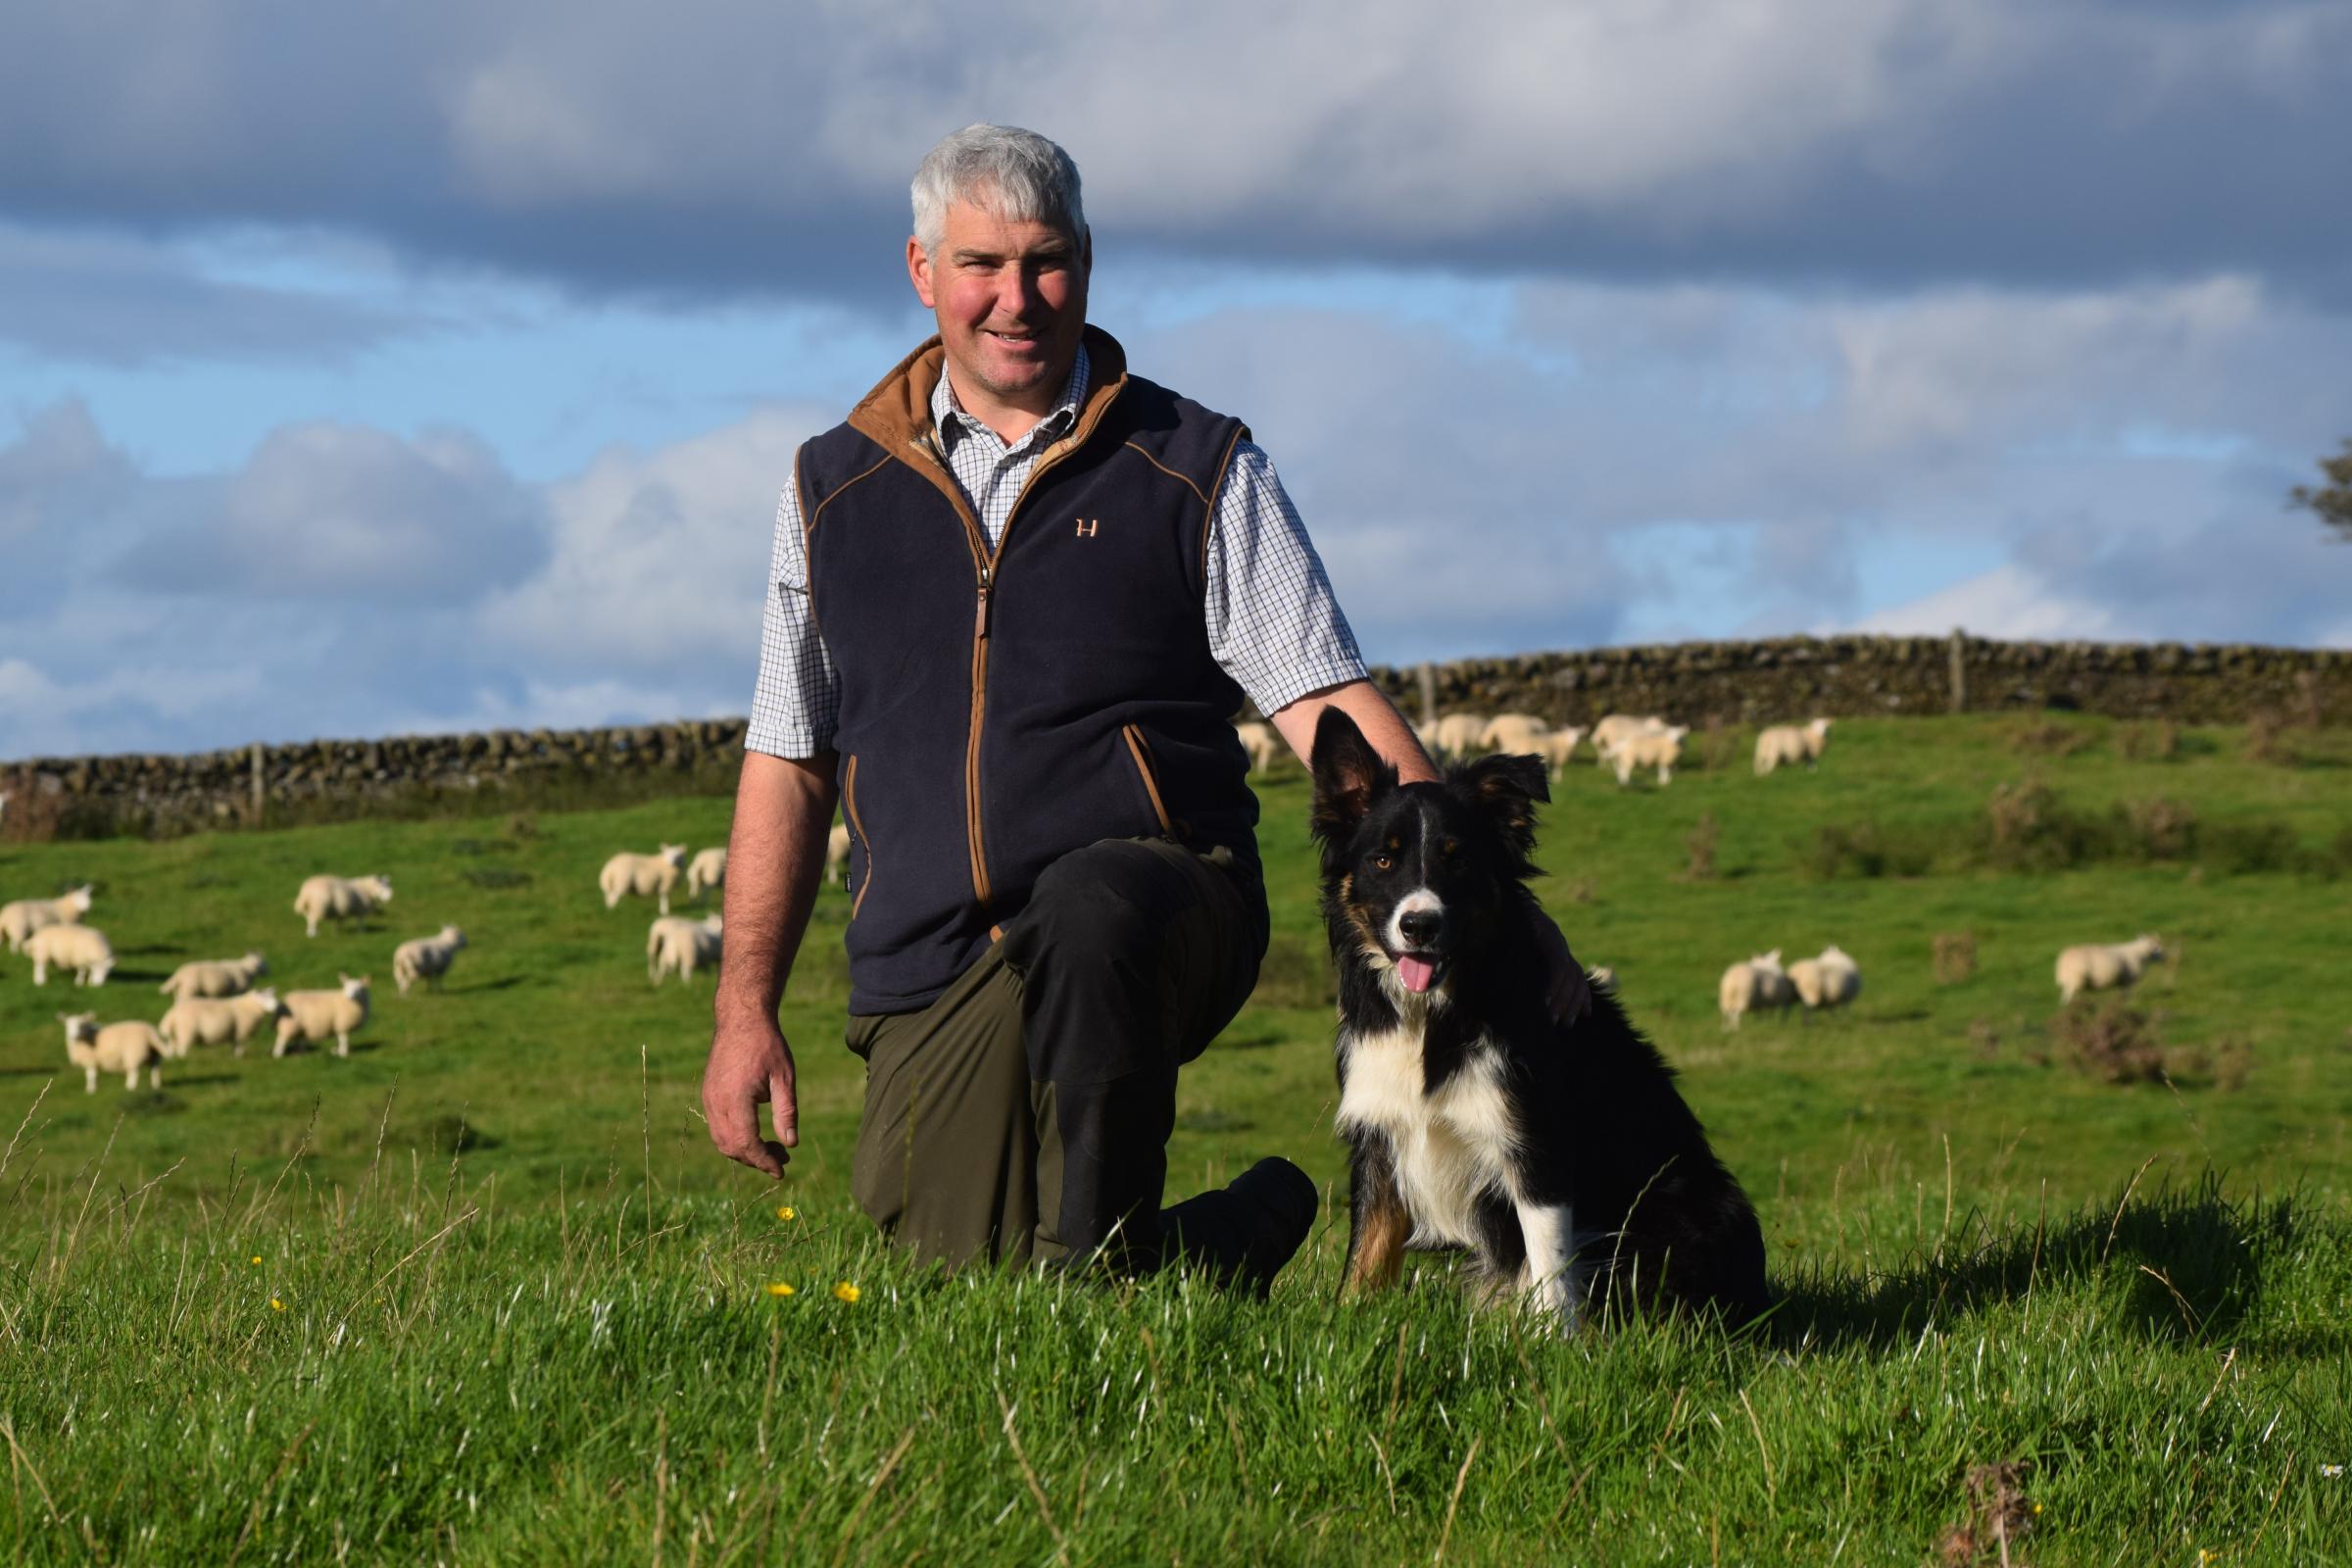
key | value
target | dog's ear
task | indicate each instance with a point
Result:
(1506, 788)
(1350, 776)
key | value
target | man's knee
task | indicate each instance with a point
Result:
(1100, 910)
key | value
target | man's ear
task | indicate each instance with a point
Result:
(1350, 776)
(1507, 788)
(918, 273)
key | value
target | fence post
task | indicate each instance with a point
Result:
(260, 792)
(1959, 671)
(1428, 674)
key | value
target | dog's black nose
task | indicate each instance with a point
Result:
(1420, 925)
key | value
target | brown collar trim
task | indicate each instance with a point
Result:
(897, 412)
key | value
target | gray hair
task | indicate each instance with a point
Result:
(1018, 173)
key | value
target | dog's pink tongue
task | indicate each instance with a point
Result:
(1416, 973)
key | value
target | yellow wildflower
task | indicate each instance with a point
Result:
(788, 1212)
(276, 1305)
(846, 1291)
(255, 1260)
(779, 1288)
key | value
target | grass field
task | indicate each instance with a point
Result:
(522, 1314)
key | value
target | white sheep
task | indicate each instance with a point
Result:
(1792, 742)
(1752, 987)
(1261, 742)
(204, 1022)
(1831, 980)
(1615, 727)
(336, 898)
(644, 875)
(82, 949)
(674, 942)
(425, 959)
(1456, 734)
(1514, 733)
(1559, 749)
(20, 919)
(2102, 967)
(1658, 749)
(313, 1015)
(215, 977)
(123, 1048)
(706, 872)
(837, 854)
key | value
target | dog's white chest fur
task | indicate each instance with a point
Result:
(1450, 1146)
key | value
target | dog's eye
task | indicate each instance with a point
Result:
(1383, 862)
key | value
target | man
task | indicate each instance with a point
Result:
(1016, 599)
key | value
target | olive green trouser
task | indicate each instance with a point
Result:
(1026, 1112)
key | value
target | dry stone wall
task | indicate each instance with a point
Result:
(1736, 683)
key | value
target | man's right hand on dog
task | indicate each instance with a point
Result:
(751, 1065)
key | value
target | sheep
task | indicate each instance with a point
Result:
(312, 1015)
(837, 854)
(1753, 986)
(1831, 980)
(1792, 742)
(425, 959)
(1659, 748)
(1516, 733)
(82, 949)
(1455, 734)
(706, 872)
(20, 919)
(215, 977)
(201, 1021)
(123, 1048)
(335, 897)
(1559, 749)
(1615, 727)
(1261, 742)
(2100, 967)
(675, 943)
(645, 875)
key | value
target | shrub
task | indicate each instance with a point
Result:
(2266, 741)
(2048, 738)
(1955, 955)
(1717, 745)
(1700, 843)
(2028, 828)
(2162, 829)
(2240, 848)
(1846, 851)
(2150, 743)
(2111, 1041)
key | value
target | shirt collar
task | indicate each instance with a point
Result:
(952, 421)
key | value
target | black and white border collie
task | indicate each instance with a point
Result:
(1559, 1155)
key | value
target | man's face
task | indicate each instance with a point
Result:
(1011, 299)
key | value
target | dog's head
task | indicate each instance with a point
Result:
(1423, 873)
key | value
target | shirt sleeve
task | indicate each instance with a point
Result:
(1273, 621)
(798, 701)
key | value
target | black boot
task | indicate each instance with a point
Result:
(1243, 1233)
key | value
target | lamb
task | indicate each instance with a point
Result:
(1792, 742)
(1615, 727)
(335, 897)
(837, 854)
(20, 919)
(706, 872)
(645, 875)
(82, 949)
(200, 1021)
(1559, 749)
(675, 943)
(426, 958)
(1456, 734)
(1659, 748)
(1831, 980)
(1753, 986)
(1516, 733)
(2101, 966)
(123, 1048)
(1261, 742)
(312, 1015)
(215, 977)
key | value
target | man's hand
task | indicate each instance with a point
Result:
(751, 1065)
(1564, 983)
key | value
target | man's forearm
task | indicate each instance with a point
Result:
(775, 860)
(1383, 727)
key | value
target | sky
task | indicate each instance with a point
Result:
(409, 368)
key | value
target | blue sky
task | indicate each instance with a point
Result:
(417, 366)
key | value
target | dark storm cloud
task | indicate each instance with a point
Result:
(727, 147)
